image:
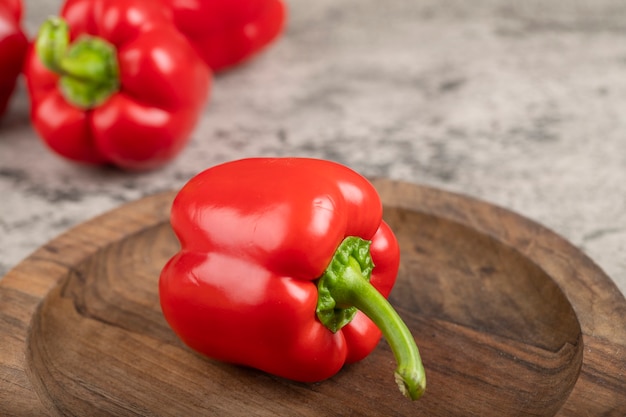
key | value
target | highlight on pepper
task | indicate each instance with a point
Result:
(289, 261)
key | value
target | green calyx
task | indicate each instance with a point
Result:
(88, 68)
(351, 258)
(344, 288)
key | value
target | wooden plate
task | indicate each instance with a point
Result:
(511, 320)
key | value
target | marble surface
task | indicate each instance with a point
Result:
(521, 105)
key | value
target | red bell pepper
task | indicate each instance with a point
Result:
(285, 266)
(115, 82)
(13, 46)
(227, 32)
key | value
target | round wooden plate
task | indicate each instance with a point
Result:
(511, 320)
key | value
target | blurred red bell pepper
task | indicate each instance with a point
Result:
(115, 82)
(13, 47)
(285, 266)
(228, 32)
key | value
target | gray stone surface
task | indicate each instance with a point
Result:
(522, 105)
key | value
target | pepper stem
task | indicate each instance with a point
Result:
(345, 287)
(88, 67)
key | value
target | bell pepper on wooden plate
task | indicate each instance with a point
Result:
(285, 266)
(114, 82)
(228, 32)
(13, 47)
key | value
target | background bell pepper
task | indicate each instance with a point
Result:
(123, 87)
(227, 32)
(13, 47)
(284, 266)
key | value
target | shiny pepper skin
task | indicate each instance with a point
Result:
(13, 47)
(278, 258)
(125, 89)
(226, 33)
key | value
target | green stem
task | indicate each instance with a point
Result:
(345, 287)
(52, 42)
(88, 67)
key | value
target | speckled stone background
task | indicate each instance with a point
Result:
(521, 104)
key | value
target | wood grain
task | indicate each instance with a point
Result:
(510, 318)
